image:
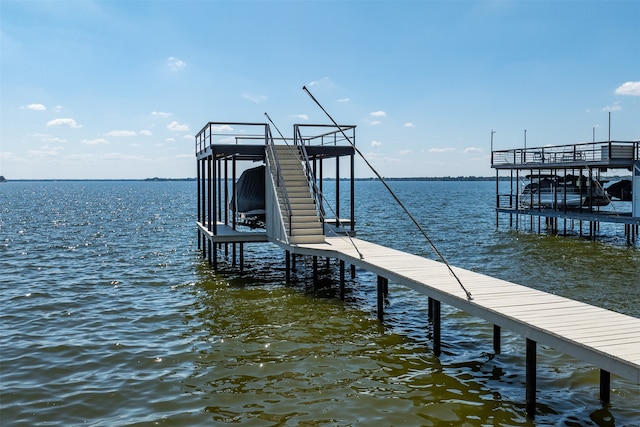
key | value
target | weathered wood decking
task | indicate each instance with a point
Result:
(603, 338)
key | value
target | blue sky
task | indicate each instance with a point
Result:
(117, 89)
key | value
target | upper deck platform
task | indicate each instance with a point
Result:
(609, 154)
(247, 141)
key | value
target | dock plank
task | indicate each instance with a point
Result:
(603, 338)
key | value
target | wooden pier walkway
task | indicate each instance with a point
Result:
(603, 338)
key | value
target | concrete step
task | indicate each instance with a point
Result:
(306, 232)
(296, 193)
(293, 174)
(298, 197)
(296, 187)
(301, 219)
(298, 211)
(306, 228)
(300, 240)
(290, 162)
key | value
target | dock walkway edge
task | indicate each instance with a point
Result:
(600, 337)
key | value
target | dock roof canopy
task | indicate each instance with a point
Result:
(246, 141)
(607, 154)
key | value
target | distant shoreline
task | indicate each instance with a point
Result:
(446, 178)
(155, 179)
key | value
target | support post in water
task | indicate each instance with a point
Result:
(436, 327)
(496, 339)
(315, 269)
(605, 386)
(380, 297)
(287, 262)
(213, 253)
(233, 255)
(531, 378)
(341, 279)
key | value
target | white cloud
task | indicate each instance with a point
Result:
(161, 114)
(145, 132)
(58, 108)
(35, 107)
(406, 152)
(379, 113)
(64, 122)
(177, 127)
(8, 155)
(119, 156)
(300, 116)
(256, 99)
(376, 143)
(45, 151)
(409, 125)
(170, 139)
(121, 133)
(629, 88)
(97, 141)
(324, 81)
(615, 107)
(48, 138)
(344, 99)
(473, 150)
(175, 64)
(221, 128)
(188, 136)
(374, 122)
(441, 150)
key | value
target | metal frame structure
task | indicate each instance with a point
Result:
(222, 150)
(584, 159)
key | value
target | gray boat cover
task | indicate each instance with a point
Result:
(250, 189)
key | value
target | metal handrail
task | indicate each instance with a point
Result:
(336, 134)
(315, 191)
(271, 151)
(207, 132)
(567, 153)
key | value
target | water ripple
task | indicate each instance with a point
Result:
(110, 317)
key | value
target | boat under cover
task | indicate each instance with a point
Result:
(250, 201)
(570, 191)
(622, 190)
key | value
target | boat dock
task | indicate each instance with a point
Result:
(297, 218)
(570, 171)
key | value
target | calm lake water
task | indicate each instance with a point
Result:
(110, 317)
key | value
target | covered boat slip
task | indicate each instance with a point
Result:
(577, 188)
(297, 221)
(225, 149)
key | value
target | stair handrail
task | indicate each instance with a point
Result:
(317, 195)
(275, 220)
(272, 160)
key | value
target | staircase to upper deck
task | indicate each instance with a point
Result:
(297, 206)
